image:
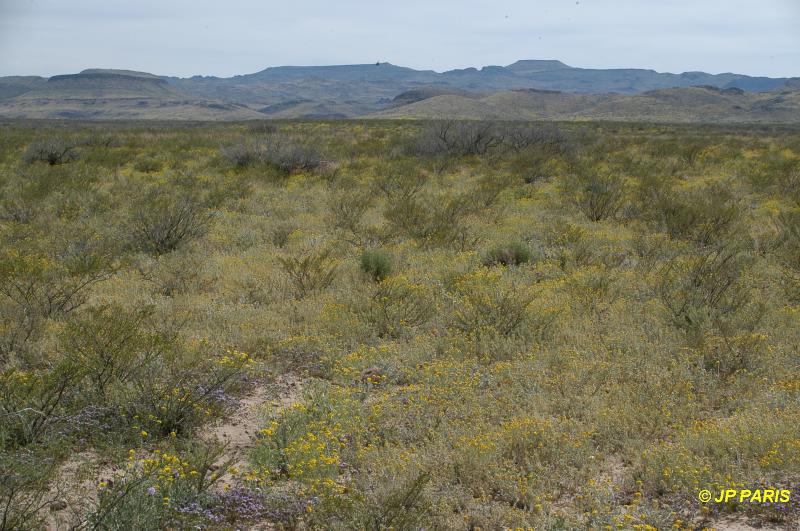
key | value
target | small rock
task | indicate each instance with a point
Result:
(58, 505)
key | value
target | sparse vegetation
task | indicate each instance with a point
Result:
(465, 325)
(52, 151)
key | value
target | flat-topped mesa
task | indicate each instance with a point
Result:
(105, 84)
(529, 66)
(118, 72)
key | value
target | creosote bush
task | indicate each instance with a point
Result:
(287, 155)
(703, 214)
(599, 195)
(163, 222)
(457, 138)
(310, 272)
(52, 152)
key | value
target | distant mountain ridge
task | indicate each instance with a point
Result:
(115, 94)
(684, 105)
(351, 90)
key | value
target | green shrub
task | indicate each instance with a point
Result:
(376, 264)
(788, 250)
(771, 171)
(172, 274)
(182, 388)
(510, 254)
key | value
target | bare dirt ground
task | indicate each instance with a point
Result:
(74, 491)
(239, 430)
(76, 487)
(736, 523)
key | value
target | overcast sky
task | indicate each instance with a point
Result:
(227, 37)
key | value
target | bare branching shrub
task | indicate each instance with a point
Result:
(430, 220)
(536, 150)
(35, 287)
(162, 222)
(457, 138)
(703, 289)
(400, 506)
(51, 151)
(703, 215)
(546, 138)
(112, 346)
(347, 209)
(310, 272)
(102, 139)
(399, 181)
(488, 189)
(286, 155)
(25, 489)
(397, 305)
(242, 155)
(262, 127)
(290, 156)
(788, 250)
(203, 376)
(489, 308)
(599, 195)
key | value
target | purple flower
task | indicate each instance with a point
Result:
(151, 491)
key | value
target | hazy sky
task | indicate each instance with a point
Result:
(227, 37)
